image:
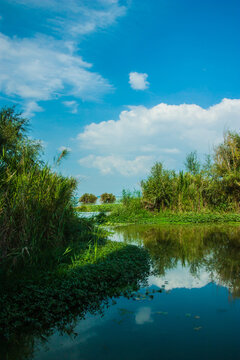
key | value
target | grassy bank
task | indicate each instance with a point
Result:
(132, 212)
(174, 218)
(122, 214)
(97, 208)
(93, 273)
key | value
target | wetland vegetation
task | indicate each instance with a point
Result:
(52, 262)
(189, 299)
(57, 267)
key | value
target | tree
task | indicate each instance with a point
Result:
(227, 165)
(158, 190)
(88, 198)
(192, 163)
(107, 198)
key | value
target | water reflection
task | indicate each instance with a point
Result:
(191, 256)
(169, 323)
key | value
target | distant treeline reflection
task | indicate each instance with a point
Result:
(213, 248)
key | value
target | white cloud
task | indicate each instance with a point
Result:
(72, 105)
(30, 108)
(113, 163)
(164, 132)
(46, 67)
(138, 81)
(43, 69)
(77, 17)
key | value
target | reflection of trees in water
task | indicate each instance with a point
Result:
(84, 290)
(216, 248)
(23, 345)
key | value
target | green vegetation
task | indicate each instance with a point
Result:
(208, 192)
(124, 215)
(36, 203)
(107, 198)
(97, 207)
(54, 265)
(88, 198)
(77, 284)
(214, 185)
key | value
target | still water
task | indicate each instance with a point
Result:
(189, 308)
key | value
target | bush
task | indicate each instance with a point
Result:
(108, 198)
(88, 198)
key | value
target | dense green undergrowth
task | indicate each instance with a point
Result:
(54, 265)
(91, 275)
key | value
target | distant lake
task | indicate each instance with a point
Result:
(188, 308)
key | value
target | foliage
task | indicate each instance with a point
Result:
(227, 166)
(36, 203)
(97, 207)
(107, 198)
(213, 185)
(159, 187)
(129, 210)
(74, 287)
(192, 163)
(88, 198)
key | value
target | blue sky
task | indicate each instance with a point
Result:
(122, 84)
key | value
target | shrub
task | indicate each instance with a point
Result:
(88, 198)
(108, 198)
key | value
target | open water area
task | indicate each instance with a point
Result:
(188, 308)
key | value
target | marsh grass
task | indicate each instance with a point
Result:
(37, 210)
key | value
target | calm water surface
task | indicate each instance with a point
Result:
(196, 316)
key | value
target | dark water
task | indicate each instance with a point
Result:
(196, 316)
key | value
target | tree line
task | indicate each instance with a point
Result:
(213, 184)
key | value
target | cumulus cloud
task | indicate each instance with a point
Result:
(138, 81)
(113, 163)
(162, 133)
(41, 69)
(72, 105)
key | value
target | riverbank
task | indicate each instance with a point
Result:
(120, 214)
(97, 207)
(171, 218)
(77, 285)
